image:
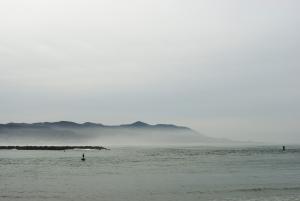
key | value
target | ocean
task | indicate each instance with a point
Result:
(171, 173)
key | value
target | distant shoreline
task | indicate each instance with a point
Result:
(52, 147)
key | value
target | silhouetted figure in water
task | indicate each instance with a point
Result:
(283, 148)
(83, 159)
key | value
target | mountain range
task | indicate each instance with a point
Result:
(68, 132)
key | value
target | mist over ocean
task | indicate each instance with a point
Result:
(161, 173)
(210, 89)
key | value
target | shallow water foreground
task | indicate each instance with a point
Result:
(152, 173)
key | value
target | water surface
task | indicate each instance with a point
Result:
(152, 173)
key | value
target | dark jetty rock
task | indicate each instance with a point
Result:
(52, 147)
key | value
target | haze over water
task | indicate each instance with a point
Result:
(228, 69)
(152, 173)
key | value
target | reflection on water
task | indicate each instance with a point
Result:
(152, 173)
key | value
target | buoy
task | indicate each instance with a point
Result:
(83, 159)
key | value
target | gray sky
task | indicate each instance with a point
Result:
(227, 68)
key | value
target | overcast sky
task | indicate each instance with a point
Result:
(227, 68)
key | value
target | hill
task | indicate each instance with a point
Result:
(67, 132)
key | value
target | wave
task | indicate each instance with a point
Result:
(259, 189)
(296, 188)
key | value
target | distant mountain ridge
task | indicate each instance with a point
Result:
(71, 124)
(89, 133)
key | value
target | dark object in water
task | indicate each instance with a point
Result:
(283, 148)
(83, 159)
(52, 147)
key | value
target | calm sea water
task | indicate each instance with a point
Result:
(152, 173)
